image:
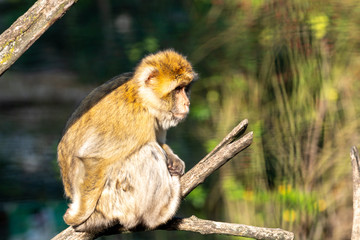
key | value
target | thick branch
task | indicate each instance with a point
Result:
(28, 28)
(222, 153)
(71, 234)
(194, 224)
(198, 225)
(354, 155)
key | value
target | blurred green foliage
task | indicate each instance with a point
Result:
(289, 66)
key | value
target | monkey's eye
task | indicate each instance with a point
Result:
(178, 89)
(187, 87)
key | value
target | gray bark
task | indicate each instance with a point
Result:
(28, 28)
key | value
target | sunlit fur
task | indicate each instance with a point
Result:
(158, 75)
(115, 165)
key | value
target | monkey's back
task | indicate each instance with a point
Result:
(103, 128)
(96, 95)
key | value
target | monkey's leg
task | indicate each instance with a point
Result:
(86, 195)
(138, 190)
(118, 202)
(163, 189)
(97, 222)
(165, 203)
(64, 169)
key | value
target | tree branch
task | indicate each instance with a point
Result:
(194, 224)
(223, 152)
(354, 155)
(28, 28)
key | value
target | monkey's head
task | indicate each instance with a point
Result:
(165, 79)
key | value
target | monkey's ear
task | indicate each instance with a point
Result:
(146, 75)
(151, 78)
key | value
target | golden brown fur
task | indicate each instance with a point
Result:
(115, 165)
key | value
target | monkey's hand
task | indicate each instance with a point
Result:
(175, 165)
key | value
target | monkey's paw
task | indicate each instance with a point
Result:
(175, 165)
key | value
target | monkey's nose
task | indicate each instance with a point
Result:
(187, 109)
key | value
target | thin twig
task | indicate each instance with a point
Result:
(238, 130)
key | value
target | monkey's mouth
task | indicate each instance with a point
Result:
(180, 115)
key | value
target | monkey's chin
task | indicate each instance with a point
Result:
(169, 119)
(180, 116)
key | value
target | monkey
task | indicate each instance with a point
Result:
(115, 164)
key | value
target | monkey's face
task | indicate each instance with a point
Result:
(181, 102)
(165, 80)
(174, 101)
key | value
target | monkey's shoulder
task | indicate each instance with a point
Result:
(96, 95)
(103, 90)
(111, 85)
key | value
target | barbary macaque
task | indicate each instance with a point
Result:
(115, 165)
